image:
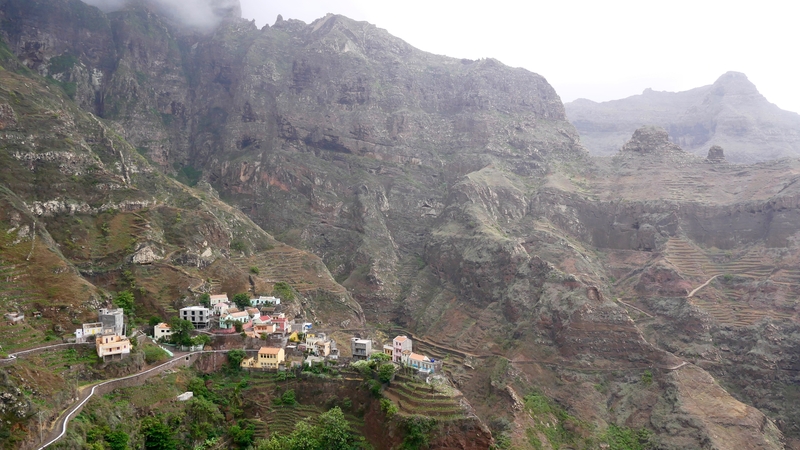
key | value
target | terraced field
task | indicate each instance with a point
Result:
(731, 311)
(415, 398)
(300, 269)
(694, 262)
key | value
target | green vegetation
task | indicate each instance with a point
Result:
(238, 246)
(187, 175)
(622, 438)
(125, 301)
(62, 63)
(254, 270)
(242, 300)
(552, 422)
(647, 378)
(286, 399)
(331, 430)
(418, 430)
(205, 300)
(154, 354)
(389, 408)
(283, 291)
(235, 358)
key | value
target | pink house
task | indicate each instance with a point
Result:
(399, 345)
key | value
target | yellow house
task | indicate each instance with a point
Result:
(270, 357)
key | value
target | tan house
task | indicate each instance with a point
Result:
(320, 346)
(112, 346)
(270, 357)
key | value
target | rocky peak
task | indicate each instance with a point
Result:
(650, 139)
(734, 83)
(715, 154)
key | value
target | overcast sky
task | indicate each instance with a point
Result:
(591, 49)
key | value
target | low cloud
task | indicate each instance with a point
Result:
(202, 14)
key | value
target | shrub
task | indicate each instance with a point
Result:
(388, 407)
(647, 377)
(254, 270)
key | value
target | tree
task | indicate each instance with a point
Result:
(117, 440)
(235, 358)
(181, 331)
(157, 435)
(242, 300)
(334, 429)
(242, 434)
(154, 321)
(386, 372)
(238, 326)
(205, 300)
(380, 357)
(125, 301)
(203, 417)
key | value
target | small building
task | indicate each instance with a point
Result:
(388, 350)
(282, 324)
(221, 308)
(268, 358)
(254, 313)
(399, 345)
(218, 298)
(14, 318)
(185, 396)
(112, 346)
(200, 316)
(113, 318)
(264, 301)
(88, 330)
(361, 348)
(419, 362)
(319, 346)
(311, 360)
(162, 330)
(229, 320)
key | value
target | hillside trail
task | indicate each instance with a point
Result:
(691, 294)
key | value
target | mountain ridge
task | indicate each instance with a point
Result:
(730, 113)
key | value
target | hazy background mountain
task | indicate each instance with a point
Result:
(730, 113)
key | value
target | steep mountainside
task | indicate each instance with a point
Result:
(453, 199)
(730, 113)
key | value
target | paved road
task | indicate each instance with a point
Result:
(61, 424)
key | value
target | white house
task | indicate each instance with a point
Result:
(162, 330)
(227, 321)
(221, 308)
(219, 298)
(263, 301)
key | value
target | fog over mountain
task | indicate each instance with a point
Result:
(203, 14)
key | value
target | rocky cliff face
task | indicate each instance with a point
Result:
(450, 198)
(730, 113)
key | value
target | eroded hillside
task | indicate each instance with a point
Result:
(450, 198)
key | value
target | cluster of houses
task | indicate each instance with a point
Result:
(259, 321)
(400, 351)
(108, 333)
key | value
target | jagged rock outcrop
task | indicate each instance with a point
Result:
(715, 154)
(730, 113)
(650, 139)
